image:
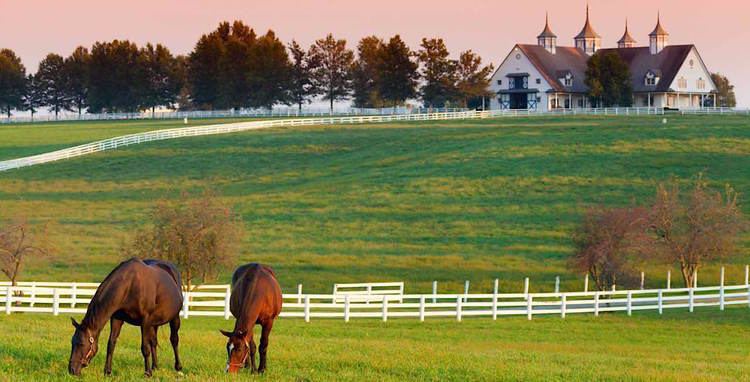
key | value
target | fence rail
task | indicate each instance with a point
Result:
(213, 300)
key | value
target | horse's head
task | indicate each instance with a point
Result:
(238, 349)
(84, 348)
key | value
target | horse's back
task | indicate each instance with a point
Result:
(256, 284)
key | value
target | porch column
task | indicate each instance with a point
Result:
(714, 100)
(570, 101)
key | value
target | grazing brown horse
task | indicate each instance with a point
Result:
(256, 299)
(142, 293)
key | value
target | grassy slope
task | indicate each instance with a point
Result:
(409, 201)
(706, 345)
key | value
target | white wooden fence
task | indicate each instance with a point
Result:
(213, 300)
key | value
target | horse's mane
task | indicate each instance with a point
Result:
(100, 299)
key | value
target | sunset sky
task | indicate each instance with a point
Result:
(720, 29)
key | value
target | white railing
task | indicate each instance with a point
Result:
(369, 291)
(213, 300)
(716, 110)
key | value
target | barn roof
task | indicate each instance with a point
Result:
(565, 59)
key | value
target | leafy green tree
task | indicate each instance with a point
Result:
(116, 78)
(235, 66)
(473, 80)
(397, 79)
(438, 73)
(269, 74)
(51, 79)
(12, 81)
(33, 96)
(366, 71)
(724, 91)
(77, 77)
(300, 85)
(163, 75)
(203, 70)
(608, 79)
(333, 76)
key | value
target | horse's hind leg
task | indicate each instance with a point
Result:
(267, 326)
(146, 332)
(154, 345)
(174, 338)
(114, 331)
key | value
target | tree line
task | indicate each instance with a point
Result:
(234, 67)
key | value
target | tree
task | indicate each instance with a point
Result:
(333, 75)
(724, 91)
(200, 235)
(116, 77)
(300, 86)
(608, 79)
(163, 75)
(77, 76)
(695, 227)
(397, 72)
(269, 74)
(203, 70)
(473, 80)
(19, 240)
(608, 242)
(52, 81)
(33, 97)
(366, 73)
(438, 73)
(12, 81)
(235, 65)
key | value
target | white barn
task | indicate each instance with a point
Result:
(546, 77)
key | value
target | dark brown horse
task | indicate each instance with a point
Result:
(142, 293)
(256, 299)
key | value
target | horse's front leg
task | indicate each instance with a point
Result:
(263, 348)
(114, 331)
(251, 356)
(146, 332)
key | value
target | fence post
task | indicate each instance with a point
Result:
(421, 308)
(185, 304)
(494, 300)
(563, 301)
(630, 303)
(695, 278)
(529, 306)
(669, 279)
(690, 300)
(55, 302)
(385, 308)
(747, 274)
(73, 295)
(459, 308)
(299, 293)
(643, 279)
(346, 308)
(434, 292)
(557, 284)
(721, 291)
(33, 293)
(526, 287)
(466, 290)
(596, 304)
(661, 301)
(307, 308)
(8, 297)
(586, 284)
(227, 298)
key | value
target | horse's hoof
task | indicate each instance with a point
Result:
(178, 367)
(148, 374)
(107, 373)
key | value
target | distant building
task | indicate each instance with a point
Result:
(546, 76)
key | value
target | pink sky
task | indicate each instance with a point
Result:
(721, 29)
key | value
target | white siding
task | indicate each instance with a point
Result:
(691, 74)
(513, 64)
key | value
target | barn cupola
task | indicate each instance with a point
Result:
(588, 40)
(627, 41)
(547, 38)
(659, 38)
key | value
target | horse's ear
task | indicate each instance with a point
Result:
(241, 333)
(75, 324)
(226, 334)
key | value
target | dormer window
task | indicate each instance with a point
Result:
(567, 80)
(652, 79)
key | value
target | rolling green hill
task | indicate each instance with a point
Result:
(417, 202)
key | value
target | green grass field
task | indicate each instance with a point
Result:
(417, 202)
(412, 202)
(704, 346)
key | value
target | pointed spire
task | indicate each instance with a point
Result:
(627, 41)
(588, 30)
(547, 32)
(659, 30)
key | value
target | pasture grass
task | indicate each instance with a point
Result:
(412, 201)
(707, 345)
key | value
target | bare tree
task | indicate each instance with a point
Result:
(200, 235)
(608, 243)
(695, 227)
(18, 240)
